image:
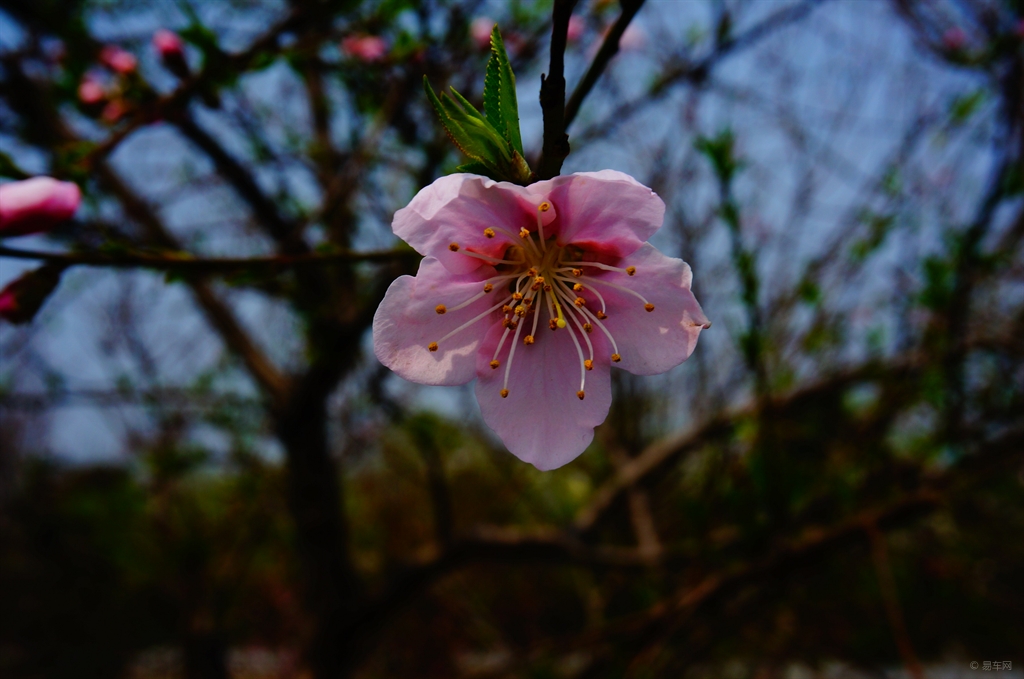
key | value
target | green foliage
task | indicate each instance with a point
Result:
(491, 140)
(720, 150)
(964, 106)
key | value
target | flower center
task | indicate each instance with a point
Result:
(536, 277)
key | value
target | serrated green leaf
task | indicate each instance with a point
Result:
(500, 104)
(455, 131)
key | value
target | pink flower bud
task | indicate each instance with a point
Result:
(365, 48)
(480, 32)
(8, 304)
(90, 92)
(36, 204)
(576, 28)
(954, 39)
(114, 111)
(168, 44)
(118, 60)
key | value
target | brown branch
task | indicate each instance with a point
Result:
(552, 95)
(201, 265)
(890, 596)
(668, 449)
(609, 48)
(697, 71)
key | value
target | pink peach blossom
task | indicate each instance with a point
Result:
(576, 28)
(90, 91)
(168, 44)
(365, 48)
(36, 204)
(497, 258)
(954, 39)
(118, 60)
(480, 31)
(114, 111)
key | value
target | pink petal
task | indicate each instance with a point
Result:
(542, 421)
(36, 204)
(457, 209)
(607, 211)
(407, 322)
(656, 341)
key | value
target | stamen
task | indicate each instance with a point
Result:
(601, 315)
(488, 287)
(578, 287)
(649, 307)
(560, 322)
(592, 289)
(583, 369)
(580, 394)
(597, 319)
(577, 272)
(497, 350)
(524, 233)
(565, 294)
(616, 358)
(599, 265)
(440, 309)
(472, 321)
(631, 270)
(579, 301)
(536, 318)
(528, 340)
(543, 207)
(432, 346)
(508, 366)
(588, 364)
(454, 247)
(489, 233)
(622, 288)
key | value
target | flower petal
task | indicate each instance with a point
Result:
(656, 341)
(36, 204)
(457, 209)
(542, 421)
(607, 211)
(407, 322)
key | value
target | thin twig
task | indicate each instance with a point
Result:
(552, 94)
(609, 48)
(200, 265)
(890, 596)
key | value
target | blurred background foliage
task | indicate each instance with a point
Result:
(204, 473)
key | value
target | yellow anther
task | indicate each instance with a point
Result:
(432, 346)
(528, 301)
(579, 301)
(588, 364)
(531, 271)
(544, 207)
(580, 395)
(578, 287)
(454, 247)
(630, 270)
(587, 327)
(547, 287)
(538, 279)
(489, 232)
(577, 272)
(488, 287)
(528, 339)
(494, 365)
(504, 393)
(514, 325)
(440, 308)
(517, 296)
(520, 311)
(536, 286)
(616, 358)
(649, 306)
(506, 323)
(524, 232)
(506, 309)
(553, 324)
(601, 315)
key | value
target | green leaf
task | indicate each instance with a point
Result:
(500, 103)
(454, 125)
